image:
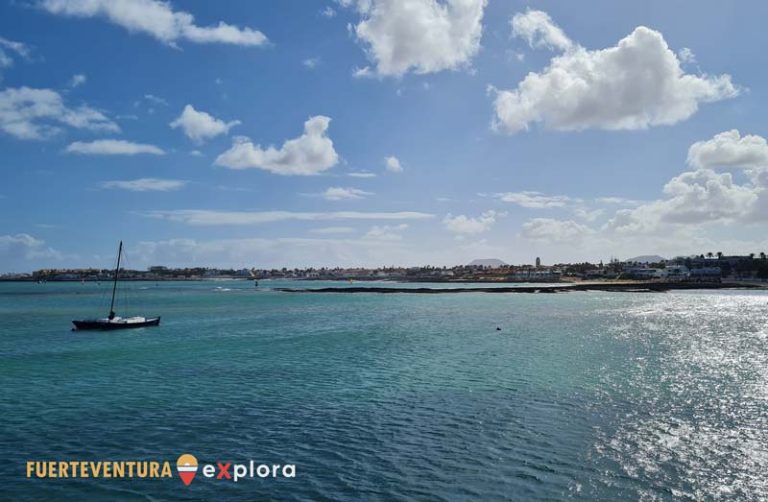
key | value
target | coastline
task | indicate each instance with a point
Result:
(626, 287)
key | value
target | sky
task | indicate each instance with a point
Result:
(299, 133)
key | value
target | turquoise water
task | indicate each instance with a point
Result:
(593, 396)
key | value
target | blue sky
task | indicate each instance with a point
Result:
(402, 132)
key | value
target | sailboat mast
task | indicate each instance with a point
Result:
(114, 285)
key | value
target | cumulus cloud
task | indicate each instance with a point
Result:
(703, 195)
(112, 147)
(552, 230)
(423, 36)
(340, 193)
(311, 153)
(729, 149)
(145, 185)
(18, 251)
(462, 224)
(725, 186)
(200, 126)
(392, 164)
(27, 113)
(211, 217)
(694, 197)
(634, 85)
(157, 19)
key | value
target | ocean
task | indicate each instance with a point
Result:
(585, 395)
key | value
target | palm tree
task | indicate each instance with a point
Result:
(710, 255)
(762, 255)
(719, 255)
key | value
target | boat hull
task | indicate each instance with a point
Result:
(99, 324)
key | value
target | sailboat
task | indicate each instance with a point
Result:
(113, 321)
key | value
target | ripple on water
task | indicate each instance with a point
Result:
(595, 396)
(695, 420)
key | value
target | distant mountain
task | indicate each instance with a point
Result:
(487, 262)
(648, 258)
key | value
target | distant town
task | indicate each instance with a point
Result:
(710, 267)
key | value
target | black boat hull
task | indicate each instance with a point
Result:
(97, 324)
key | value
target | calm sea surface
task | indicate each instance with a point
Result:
(593, 396)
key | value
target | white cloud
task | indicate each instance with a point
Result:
(535, 200)
(364, 72)
(634, 85)
(696, 210)
(706, 196)
(361, 174)
(77, 80)
(311, 153)
(328, 12)
(331, 251)
(211, 217)
(551, 230)
(157, 19)
(581, 208)
(729, 149)
(145, 185)
(28, 113)
(588, 214)
(340, 193)
(112, 147)
(423, 36)
(686, 56)
(9, 49)
(386, 232)
(200, 126)
(538, 29)
(462, 224)
(333, 230)
(17, 251)
(277, 253)
(694, 197)
(703, 196)
(622, 201)
(156, 99)
(392, 164)
(311, 63)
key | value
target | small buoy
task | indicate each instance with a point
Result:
(498, 328)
